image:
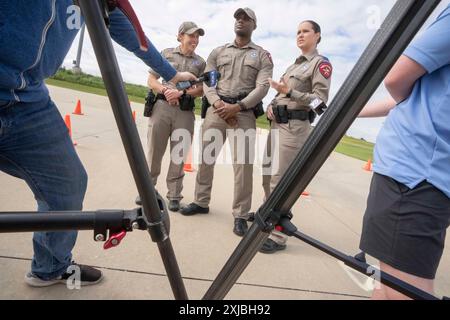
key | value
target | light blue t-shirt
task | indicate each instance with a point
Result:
(414, 144)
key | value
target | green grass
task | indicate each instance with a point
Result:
(91, 84)
(351, 147)
(355, 148)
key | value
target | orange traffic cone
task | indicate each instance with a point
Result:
(368, 166)
(134, 116)
(69, 127)
(306, 194)
(77, 110)
(188, 167)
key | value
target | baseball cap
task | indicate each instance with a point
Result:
(249, 12)
(190, 27)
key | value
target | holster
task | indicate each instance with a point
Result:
(187, 103)
(150, 102)
(281, 114)
(259, 110)
(205, 106)
(312, 116)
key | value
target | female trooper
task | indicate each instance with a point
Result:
(302, 94)
(173, 112)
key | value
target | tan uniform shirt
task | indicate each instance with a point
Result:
(309, 78)
(243, 71)
(193, 64)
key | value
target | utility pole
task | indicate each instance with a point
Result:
(76, 68)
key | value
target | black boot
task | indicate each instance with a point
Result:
(174, 205)
(271, 246)
(240, 227)
(193, 209)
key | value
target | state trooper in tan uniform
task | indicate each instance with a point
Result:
(245, 69)
(302, 94)
(173, 110)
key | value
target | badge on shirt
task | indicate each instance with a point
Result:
(326, 69)
(254, 54)
(196, 63)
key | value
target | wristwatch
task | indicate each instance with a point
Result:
(289, 94)
(242, 106)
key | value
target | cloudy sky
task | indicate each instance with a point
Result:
(347, 27)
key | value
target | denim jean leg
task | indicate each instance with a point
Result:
(52, 250)
(37, 148)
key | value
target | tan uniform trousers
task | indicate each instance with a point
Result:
(292, 137)
(243, 170)
(164, 121)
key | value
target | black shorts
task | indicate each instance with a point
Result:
(406, 228)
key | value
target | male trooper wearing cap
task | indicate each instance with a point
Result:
(174, 110)
(245, 69)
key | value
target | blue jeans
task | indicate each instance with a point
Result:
(35, 146)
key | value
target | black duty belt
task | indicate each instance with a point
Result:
(283, 115)
(233, 100)
(161, 97)
(298, 115)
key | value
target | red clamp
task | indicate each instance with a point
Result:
(114, 240)
(128, 10)
(279, 228)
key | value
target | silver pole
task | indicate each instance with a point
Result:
(76, 68)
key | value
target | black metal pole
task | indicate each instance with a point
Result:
(112, 77)
(397, 31)
(113, 220)
(11, 222)
(367, 269)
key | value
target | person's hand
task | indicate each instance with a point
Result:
(219, 104)
(173, 96)
(281, 86)
(270, 114)
(183, 76)
(228, 111)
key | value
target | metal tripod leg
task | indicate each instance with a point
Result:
(112, 77)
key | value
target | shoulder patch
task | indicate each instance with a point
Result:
(269, 56)
(326, 69)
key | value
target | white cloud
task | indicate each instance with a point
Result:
(343, 22)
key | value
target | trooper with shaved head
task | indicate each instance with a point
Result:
(245, 70)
